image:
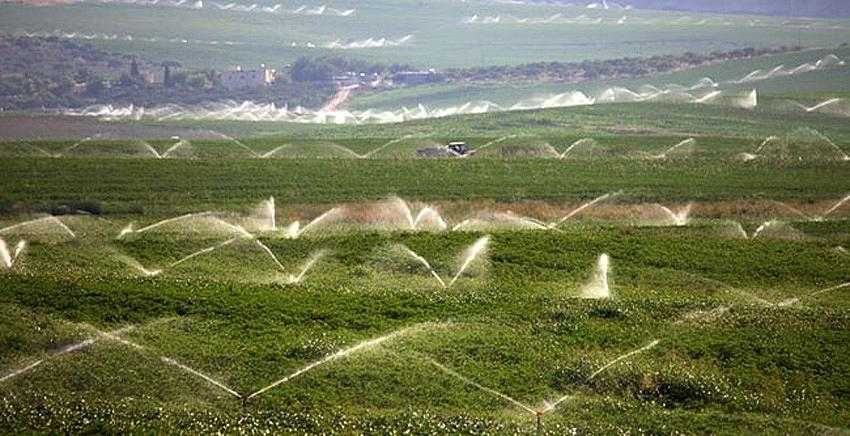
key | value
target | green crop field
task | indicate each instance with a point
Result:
(440, 38)
(645, 280)
(669, 265)
(240, 338)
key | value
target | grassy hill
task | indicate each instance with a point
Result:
(171, 296)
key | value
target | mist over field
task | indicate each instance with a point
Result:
(442, 217)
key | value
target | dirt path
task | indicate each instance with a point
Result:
(339, 98)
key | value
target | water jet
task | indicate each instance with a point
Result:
(679, 218)
(294, 230)
(584, 206)
(665, 154)
(622, 357)
(489, 144)
(133, 263)
(48, 220)
(424, 263)
(597, 287)
(796, 300)
(308, 265)
(363, 345)
(209, 379)
(203, 251)
(835, 207)
(469, 255)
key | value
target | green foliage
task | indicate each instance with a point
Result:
(156, 183)
(518, 329)
(312, 70)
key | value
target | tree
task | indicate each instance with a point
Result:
(167, 80)
(312, 70)
(95, 87)
(134, 68)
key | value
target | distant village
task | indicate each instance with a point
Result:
(44, 73)
(54, 73)
(240, 78)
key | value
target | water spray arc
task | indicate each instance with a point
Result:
(490, 144)
(382, 147)
(9, 257)
(469, 255)
(115, 336)
(500, 219)
(666, 153)
(835, 207)
(267, 212)
(136, 265)
(180, 143)
(481, 387)
(77, 144)
(308, 265)
(623, 357)
(295, 231)
(152, 150)
(797, 300)
(820, 105)
(239, 143)
(597, 287)
(679, 218)
(426, 215)
(474, 251)
(59, 353)
(765, 143)
(360, 346)
(829, 211)
(201, 375)
(129, 229)
(548, 406)
(202, 252)
(778, 230)
(571, 147)
(39, 150)
(271, 152)
(50, 220)
(794, 210)
(583, 207)
(424, 263)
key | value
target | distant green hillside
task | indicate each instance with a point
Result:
(809, 8)
(441, 33)
(829, 81)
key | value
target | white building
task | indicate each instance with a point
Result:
(241, 79)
